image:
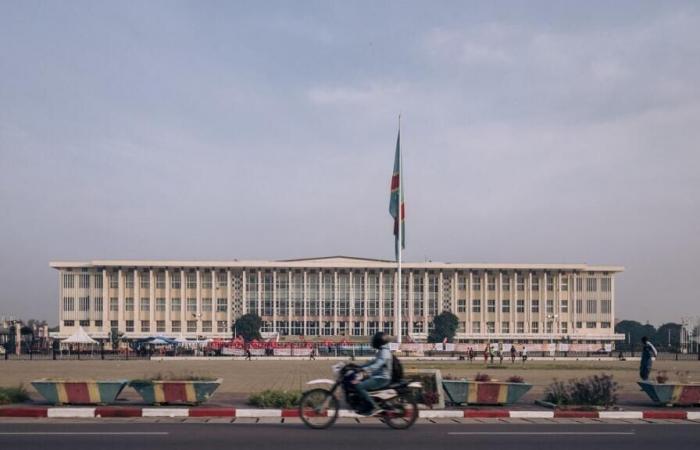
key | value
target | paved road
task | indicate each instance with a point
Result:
(211, 436)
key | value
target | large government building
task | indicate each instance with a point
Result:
(339, 296)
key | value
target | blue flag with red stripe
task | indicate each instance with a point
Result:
(396, 200)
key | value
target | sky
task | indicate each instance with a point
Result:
(532, 132)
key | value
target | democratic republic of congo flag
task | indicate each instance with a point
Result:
(396, 202)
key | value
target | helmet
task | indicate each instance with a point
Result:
(379, 339)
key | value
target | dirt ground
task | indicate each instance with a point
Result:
(240, 378)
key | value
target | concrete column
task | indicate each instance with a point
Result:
(305, 300)
(183, 302)
(105, 302)
(168, 302)
(229, 301)
(120, 300)
(380, 295)
(198, 293)
(274, 301)
(366, 301)
(290, 302)
(152, 300)
(137, 301)
(335, 302)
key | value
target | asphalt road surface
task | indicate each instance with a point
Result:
(208, 436)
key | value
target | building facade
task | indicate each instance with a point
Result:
(338, 296)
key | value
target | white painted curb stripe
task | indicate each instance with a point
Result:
(258, 413)
(165, 412)
(620, 415)
(428, 414)
(693, 415)
(532, 414)
(70, 412)
(350, 414)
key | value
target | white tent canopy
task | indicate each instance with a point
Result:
(79, 337)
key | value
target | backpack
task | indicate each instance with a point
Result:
(396, 369)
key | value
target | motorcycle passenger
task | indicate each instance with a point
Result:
(378, 370)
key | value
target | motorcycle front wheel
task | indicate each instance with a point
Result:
(402, 412)
(318, 408)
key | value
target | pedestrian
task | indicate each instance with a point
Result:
(491, 354)
(247, 352)
(513, 353)
(648, 354)
(471, 354)
(500, 356)
(312, 355)
(486, 354)
(524, 354)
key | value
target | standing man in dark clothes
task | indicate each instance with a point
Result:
(648, 353)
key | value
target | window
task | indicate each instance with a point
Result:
(145, 305)
(206, 326)
(191, 280)
(605, 306)
(221, 326)
(98, 281)
(191, 326)
(579, 284)
(114, 324)
(476, 327)
(145, 279)
(160, 280)
(84, 281)
(160, 304)
(490, 327)
(579, 325)
(548, 327)
(221, 279)
(491, 305)
(565, 284)
(160, 326)
(520, 306)
(505, 306)
(505, 327)
(506, 283)
(462, 305)
(591, 284)
(175, 305)
(462, 283)
(520, 327)
(521, 283)
(564, 304)
(604, 324)
(536, 306)
(114, 304)
(206, 305)
(68, 281)
(68, 323)
(492, 283)
(177, 326)
(564, 327)
(535, 283)
(129, 304)
(590, 325)
(175, 280)
(84, 304)
(535, 327)
(98, 324)
(579, 307)
(192, 305)
(98, 304)
(476, 283)
(221, 305)
(591, 307)
(129, 280)
(114, 280)
(550, 283)
(145, 326)
(550, 306)
(206, 280)
(605, 284)
(129, 326)
(476, 306)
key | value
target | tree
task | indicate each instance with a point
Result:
(633, 332)
(668, 337)
(248, 326)
(444, 326)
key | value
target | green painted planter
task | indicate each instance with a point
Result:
(686, 394)
(79, 392)
(484, 392)
(159, 392)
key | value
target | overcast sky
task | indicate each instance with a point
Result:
(555, 132)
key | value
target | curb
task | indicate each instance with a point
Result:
(125, 411)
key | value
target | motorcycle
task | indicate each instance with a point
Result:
(319, 407)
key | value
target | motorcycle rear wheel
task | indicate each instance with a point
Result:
(318, 408)
(402, 413)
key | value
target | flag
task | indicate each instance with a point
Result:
(396, 203)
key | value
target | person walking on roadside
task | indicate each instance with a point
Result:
(648, 355)
(513, 353)
(486, 354)
(312, 354)
(524, 354)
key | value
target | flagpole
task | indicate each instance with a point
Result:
(400, 222)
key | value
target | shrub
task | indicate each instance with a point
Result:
(482, 377)
(13, 395)
(515, 379)
(275, 399)
(596, 390)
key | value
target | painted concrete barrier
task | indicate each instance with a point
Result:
(484, 392)
(157, 392)
(79, 392)
(677, 394)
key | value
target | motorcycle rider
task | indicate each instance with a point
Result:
(378, 371)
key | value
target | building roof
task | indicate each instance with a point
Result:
(332, 261)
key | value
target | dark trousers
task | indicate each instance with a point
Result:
(644, 371)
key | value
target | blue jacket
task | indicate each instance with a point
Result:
(380, 366)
